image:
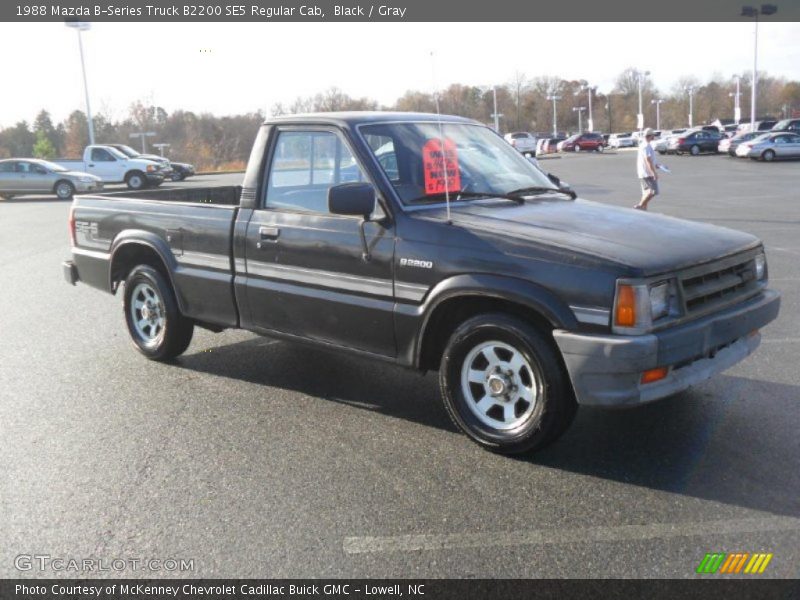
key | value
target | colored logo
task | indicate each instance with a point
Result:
(734, 563)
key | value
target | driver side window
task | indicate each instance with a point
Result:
(305, 165)
(102, 155)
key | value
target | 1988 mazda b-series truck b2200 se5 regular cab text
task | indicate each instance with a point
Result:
(431, 243)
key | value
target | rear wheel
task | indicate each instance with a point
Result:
(64, 190)
(601, 148)
(502, 384)
(769, 155)
(156, 326)
(136, 180)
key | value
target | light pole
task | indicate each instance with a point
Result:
(589, 89)
(143, 135)
(750, 11)
(640, 117)
(657, 102)
(690, 91)
(737, 107)
(161, 147)
(579, 110)
(80, 26)
(554, 98)
(495, 114)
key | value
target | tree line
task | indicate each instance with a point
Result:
(213, 142)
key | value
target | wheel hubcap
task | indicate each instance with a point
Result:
(500, 386)
(147, 313)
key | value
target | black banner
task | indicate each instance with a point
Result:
(361, 589)
(201, 11)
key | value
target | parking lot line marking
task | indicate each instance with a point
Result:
(619, 533)
(782, 340)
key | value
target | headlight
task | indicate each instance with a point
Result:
(638, 305)
(151, 168)
(761, 266)
(659, 300)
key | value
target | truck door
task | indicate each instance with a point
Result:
(305, 270)
(104, 164)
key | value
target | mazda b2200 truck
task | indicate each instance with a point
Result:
(431, 243)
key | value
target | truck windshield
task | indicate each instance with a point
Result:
(424, 160)
(126, 150)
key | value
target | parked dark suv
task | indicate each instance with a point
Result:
(584, 141)
(695, 142)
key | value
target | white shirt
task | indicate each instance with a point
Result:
(642, 167)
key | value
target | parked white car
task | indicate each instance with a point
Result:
(621, 140)
(112, 166)
(523, 141)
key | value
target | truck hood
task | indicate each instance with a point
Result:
(648, 243)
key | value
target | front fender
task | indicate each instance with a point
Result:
(521, 292)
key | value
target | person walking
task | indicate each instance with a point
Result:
(647, 170)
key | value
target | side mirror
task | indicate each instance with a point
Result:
(352, 199)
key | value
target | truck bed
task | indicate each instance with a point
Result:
(221, 195)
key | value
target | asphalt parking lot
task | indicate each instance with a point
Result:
(256, 458)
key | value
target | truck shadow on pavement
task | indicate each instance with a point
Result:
(731, 440)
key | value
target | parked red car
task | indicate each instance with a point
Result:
(584, 141)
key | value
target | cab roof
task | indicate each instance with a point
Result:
(354, 118)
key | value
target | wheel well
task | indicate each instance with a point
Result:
(451, 313)
(55, 185)
(132, 172)
(131, 255)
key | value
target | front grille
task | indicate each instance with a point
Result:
(719, 284)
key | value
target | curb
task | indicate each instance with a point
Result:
(217, 172)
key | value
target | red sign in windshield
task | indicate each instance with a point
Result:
(441, 168)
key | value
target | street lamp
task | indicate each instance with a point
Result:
(640, 117)
(657, 102)
(589, 89)
(737, 108)
(554, 98)
(579, 110)
(750, 11)
(80, 26)
(495, 114)
(690, 91)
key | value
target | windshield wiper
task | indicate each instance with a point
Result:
(454, 196)
(530, 191)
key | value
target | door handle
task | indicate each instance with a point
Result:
(267, 234)
(91, 164)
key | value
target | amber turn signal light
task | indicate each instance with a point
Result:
(653, 375)
(625, 314)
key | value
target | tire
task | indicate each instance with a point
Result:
(577, 147)
(6, 196)
(64, 189)
(695, 150)
(768, 155)
(177, 176)
(522, 408)
(136, 180)
(601, 148)
(156, 326)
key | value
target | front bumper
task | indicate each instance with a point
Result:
(83, 187)
(156, 177)
(606, 370)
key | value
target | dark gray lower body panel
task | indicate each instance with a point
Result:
(606, 370)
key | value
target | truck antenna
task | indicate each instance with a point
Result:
(441, 139)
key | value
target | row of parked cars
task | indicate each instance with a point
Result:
(769, 140)
(101, 164)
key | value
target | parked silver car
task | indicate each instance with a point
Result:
(771, 146)
(34, 176)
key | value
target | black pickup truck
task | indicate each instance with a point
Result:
(431, 243)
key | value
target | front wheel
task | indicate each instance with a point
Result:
(768, 155)
(156, 326)
(503, 385)
(136, 180)
(176, 176)
(695, 150)
(601, 148)
(577, 147)
(64, 190)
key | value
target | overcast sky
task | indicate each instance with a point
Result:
(241, 67)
